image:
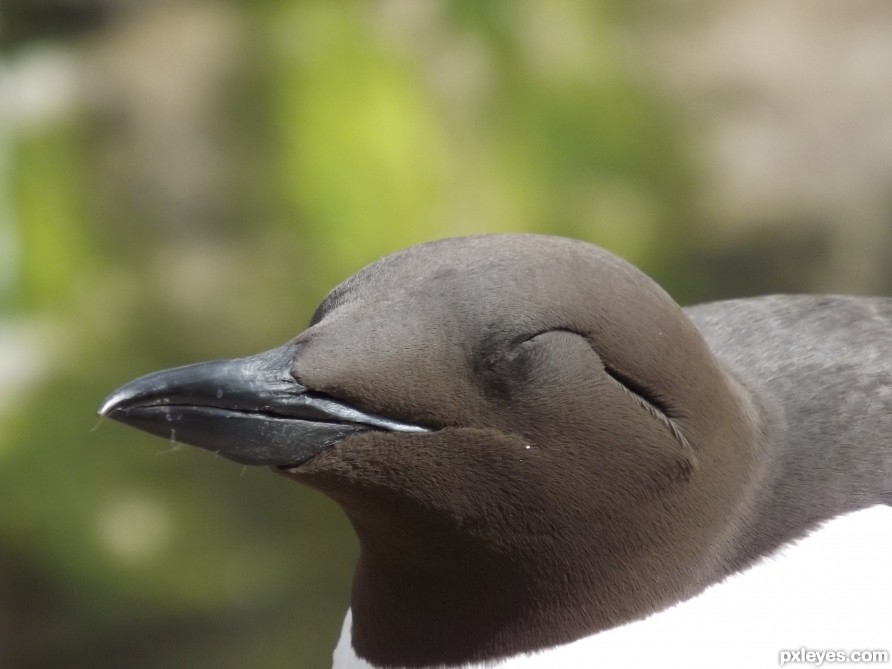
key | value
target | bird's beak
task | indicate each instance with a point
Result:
(250, 410)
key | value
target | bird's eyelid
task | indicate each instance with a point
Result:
(655, 404)
(529, 337)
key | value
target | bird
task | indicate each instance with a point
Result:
(535, 444)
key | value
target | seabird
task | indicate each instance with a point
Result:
(534, 443)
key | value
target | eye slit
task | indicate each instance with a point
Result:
(650, 401)
(526, 338)
(523, 339)
(638, 390)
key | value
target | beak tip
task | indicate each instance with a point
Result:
(111, 403)
(106, 408)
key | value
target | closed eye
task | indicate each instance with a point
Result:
(644, 396)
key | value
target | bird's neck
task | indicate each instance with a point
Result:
(455, 601)
(427, 595)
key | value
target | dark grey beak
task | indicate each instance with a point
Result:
(250, 410)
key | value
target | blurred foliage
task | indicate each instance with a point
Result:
(56, 249)
(356, 138)
(328, 134)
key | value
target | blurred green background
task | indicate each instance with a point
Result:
(185, 180)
